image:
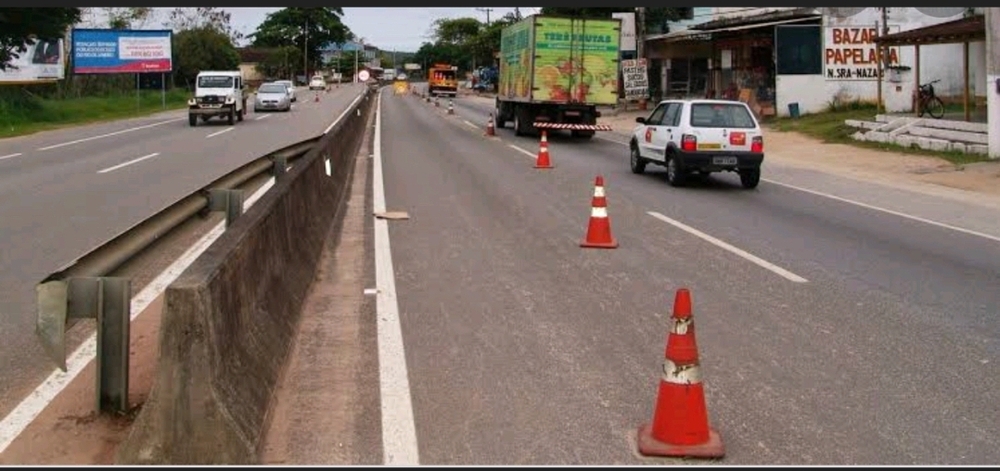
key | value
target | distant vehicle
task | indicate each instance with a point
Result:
(291, 88)
(699, 137)
(442, 79)
(272, 96)
(401, 77)
(317, 83)
(218, 94)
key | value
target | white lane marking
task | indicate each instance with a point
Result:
(887, 211)
(529, 154)
(611, 140)
(219, 132)
(11, 156)
(470, 123)
(102, 136)
(740, 252)
(31, 406)
(342, 113)
(265, 116)
(130, 162)
(399, 433)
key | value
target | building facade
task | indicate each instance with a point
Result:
(809, 57)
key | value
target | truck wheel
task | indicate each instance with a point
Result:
(675, 174)
(192, 120)
(518, 127)
(231, 117)
(636, 162)
(239, 116)
(750, 178)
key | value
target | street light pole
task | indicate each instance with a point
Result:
(305, 51)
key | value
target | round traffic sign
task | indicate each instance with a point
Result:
(363, 76)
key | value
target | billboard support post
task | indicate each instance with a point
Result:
(138, 94)
(163, 89)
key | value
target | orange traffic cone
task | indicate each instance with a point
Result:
(316, 97)
(542, 161)
(599, 228)
(680, 420)
(490, 131)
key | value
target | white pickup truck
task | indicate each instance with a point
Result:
(218, 94)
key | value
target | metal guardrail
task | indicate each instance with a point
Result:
(84, 290)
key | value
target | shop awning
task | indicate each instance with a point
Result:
(704, 35)
(970, 29)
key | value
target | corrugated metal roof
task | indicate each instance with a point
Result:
(779, 15)
(968, 29)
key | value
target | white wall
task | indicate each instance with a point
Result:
(944, 62)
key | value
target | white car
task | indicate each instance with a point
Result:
(699, 137)
(317, 83)
(291, 88)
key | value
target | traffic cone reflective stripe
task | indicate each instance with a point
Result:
(542, 161)
(680, 418)
(599, 228)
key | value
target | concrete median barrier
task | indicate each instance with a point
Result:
(230, 320)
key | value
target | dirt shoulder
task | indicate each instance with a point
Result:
(915, 172)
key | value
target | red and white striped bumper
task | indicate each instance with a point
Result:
(576, 127)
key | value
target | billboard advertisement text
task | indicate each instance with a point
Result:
(112, 51)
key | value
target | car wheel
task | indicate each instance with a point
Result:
(675, 174)
(518, 127)
(636, 162)
(750, 178)
(192, 120)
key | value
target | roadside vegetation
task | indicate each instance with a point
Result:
(829, 126)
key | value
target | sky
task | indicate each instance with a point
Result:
(400, 29)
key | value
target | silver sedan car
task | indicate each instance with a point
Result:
(272, 97)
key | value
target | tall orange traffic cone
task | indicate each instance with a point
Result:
(542, 161)
(680, 420)
(599, 228)
(316, 97)
(490, 131)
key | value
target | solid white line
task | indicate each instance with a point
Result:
(130, 162)
(529, 154)
(102, 136)
(399, 434)
(262, 117)
(470, 123)
(888, 211)
(742, 253)
(342, 113)
(11, 156)
(219, 132)
(31, 406)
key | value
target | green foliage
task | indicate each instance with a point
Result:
(308, 29)
(204, 48)
(463, 42)
(656, 17)
(19, 25)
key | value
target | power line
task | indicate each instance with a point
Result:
(487, 10)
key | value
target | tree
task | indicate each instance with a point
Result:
(307, 28)
(656, 17)
(279, 62)
(456, 30)
(183, 19)
(200, 49)
(128, 18)
(20, 26)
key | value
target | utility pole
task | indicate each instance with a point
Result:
(993, 80)
(487, 10)
(305, 51)
(640, 32)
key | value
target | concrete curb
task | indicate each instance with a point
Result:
(230, 320)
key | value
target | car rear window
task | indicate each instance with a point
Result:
(721, 115)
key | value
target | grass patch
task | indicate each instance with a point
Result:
(22, 114)
(829, 126)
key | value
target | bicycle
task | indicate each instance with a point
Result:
(929, 102)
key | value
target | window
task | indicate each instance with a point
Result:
(721, 115)
(673, 115)
(657, 115)
(799, 50)
(215, 81)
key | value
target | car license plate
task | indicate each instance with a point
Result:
(709, 146)
(724, 160)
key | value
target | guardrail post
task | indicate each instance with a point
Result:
(228, 200)
(280, 167)
(106, 299)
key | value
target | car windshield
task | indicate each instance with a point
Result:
(273, 88)
(215, 81)
(286, 83)
(721, 115)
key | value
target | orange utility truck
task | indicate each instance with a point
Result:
(442, 79)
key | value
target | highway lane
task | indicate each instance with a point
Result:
(523, 348)
(59, 204)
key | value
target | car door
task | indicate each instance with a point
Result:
(649, 131)
(667, 131)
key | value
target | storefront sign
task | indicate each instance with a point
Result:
(634, 79)
(851, 54)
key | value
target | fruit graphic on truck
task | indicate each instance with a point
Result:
(557, 70)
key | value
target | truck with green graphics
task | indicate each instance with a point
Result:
(555, 71)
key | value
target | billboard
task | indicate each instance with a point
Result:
(44, 61)
(628, 30)
(121, 51)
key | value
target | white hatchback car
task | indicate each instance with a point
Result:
(317, 83)
(699, 136)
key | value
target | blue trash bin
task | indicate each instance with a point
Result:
(793, 110)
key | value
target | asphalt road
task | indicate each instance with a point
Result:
(63, 193)
(854, 337)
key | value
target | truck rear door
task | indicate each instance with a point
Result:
(576, 60)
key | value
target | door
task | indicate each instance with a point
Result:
(651, 126)
(667, 131)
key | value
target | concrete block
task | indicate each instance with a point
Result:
(230, 320)
(933, 144)
(949, 134)
(958, 147)
(904, 140)
(977, 149)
